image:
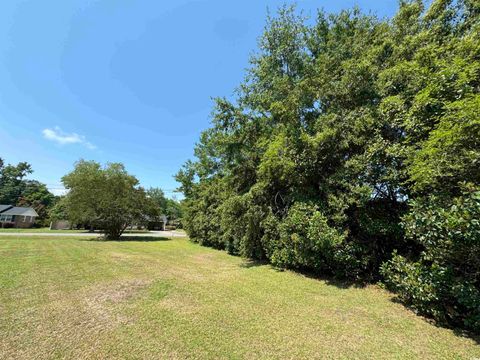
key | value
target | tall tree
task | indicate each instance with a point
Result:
(342, 124)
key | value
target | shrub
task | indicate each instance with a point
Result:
(352, 261)
(444, 282)
(240, 220)
(8, 225)
(305, 240)
(374, 233)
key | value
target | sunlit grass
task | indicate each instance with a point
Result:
(82, 298)
(39, 230)
(66, 231)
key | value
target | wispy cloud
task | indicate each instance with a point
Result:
(58, 191)
(57, 135)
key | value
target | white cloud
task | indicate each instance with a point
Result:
(58, 191)
(57, 135)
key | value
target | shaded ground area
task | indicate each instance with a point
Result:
(66, 297)
(68, 233)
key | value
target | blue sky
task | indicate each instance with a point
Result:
(123, 80)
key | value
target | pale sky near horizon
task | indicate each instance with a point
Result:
(124, 80)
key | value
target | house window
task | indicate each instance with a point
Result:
(5, 218)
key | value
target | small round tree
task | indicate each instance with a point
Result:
(106, 197)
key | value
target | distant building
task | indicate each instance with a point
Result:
(157, 223)
(60, 225)
(17, 217)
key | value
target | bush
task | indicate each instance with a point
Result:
(8, 225)
(352, 261)
(240, 226)
(305, 240)
(374, 233)
(444, 282)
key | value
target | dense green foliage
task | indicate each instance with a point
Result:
(168, 207)
(445, 281)
(12, 181)
(344, 126)
(16, 190)
(105, 197)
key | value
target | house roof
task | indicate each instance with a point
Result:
(15, 210)
(156, 218)
(5, 207)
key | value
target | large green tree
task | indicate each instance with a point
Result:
(341, 123)
(106, 197)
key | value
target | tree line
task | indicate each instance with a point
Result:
(17, 190)
(107, 198)
(352, 148)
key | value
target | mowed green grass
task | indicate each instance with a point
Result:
(78, 298)
(47, 230)
(38, 230)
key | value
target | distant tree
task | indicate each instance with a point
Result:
(36, 195)
(16, 190)
(59, 210)
(168, 207)
(157, 196)
(106, 196)
(173, 210)
(12, 181)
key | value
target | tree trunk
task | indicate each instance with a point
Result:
(114, 232)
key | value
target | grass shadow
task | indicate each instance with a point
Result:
(331, 280)
(130, 238)
(247, 264)
(143, 238)
(459, 332)
(464, 334)
(328, 279)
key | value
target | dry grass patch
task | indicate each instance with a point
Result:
(116, 292)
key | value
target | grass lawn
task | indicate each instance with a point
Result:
(78, 298)
(47, 230)
(39, 230)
